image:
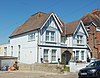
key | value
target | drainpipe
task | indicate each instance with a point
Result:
(38, 47)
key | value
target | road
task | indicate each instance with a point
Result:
(20, 74)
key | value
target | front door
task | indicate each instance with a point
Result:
(66, 56)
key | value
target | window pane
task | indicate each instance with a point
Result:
(31, 36)
(82, 55)
(77, 55)
(47, 35)
(45, 54)
(79, 39)
(52, 36)
(53, 55)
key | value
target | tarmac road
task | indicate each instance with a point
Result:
(19, 74)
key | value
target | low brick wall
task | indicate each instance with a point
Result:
(53, 68)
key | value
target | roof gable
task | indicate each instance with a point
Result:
(56, 19)
(72, 28)
(83, 27)
(91, 18)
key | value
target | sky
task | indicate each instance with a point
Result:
(13, 13)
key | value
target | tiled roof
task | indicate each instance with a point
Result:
(71, 27)
(33, 23)
(88, 18)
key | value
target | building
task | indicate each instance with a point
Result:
(4, 49)
(44, 38)
(75, 39)
(92, 24)
(38, 39)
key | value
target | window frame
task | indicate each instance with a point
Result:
(5, 51)
(77, 56)
(80, 39)
(31, 36)
(53, 55)
(82, 56)
(19, 46)
(45, 55)
(50, 37)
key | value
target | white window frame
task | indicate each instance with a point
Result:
(82, 55)
(77, 55)
(31, 37)
(50, 36)
(19, 51)
(5, 51)
(53, 57)
(45, 56)
(11, 50)
(80, 39)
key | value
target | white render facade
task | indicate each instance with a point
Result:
(78, 43)
(5, 49)
(45, 45)
(41, 43)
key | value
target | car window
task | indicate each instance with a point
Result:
(92, 64)
(98, 63)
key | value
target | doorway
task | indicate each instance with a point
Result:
(66, 56)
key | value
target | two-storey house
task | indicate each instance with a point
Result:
(38, 39)
(75, 39)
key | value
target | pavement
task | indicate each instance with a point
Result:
(35, 74)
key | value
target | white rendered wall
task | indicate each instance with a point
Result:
(28, 49)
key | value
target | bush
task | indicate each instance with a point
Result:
(66, 68)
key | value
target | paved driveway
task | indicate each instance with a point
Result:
(19, 74)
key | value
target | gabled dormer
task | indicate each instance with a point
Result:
(76, 34)
(51, 30)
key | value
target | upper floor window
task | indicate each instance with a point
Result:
(31, 36)
(50, 35)
(19, 52)
(11, 50)
(5, 51)
(79, 39)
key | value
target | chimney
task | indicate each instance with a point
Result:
(94, 11)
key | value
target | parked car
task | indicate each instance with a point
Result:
(91, 70)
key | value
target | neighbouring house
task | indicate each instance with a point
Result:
(5, 58)
(92, 23)
(4, 49)
(75, 40)
(38, 39)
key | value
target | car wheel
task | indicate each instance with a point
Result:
(98, 74)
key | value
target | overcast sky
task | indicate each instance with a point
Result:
(15, 12)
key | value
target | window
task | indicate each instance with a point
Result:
(62, 39)
(53, 55)
(79, 39)
(11, 50)
(19, 52)
(50, 35)
(47, 35)
(77, 55)
(82, 55)
(46, 55)
(31, 36)
(5, 51)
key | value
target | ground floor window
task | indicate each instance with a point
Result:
(82, 55)
(53, 55)
(77, 55)
(46, 55)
